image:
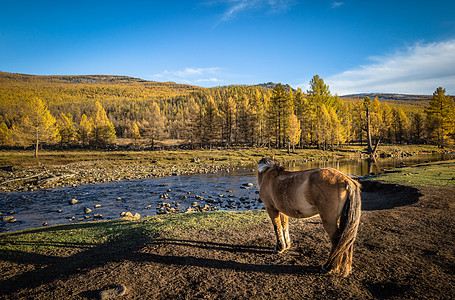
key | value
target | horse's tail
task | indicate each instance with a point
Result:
(340, 259)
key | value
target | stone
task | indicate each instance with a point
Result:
(73, 201)
(98, 216)
(7, 218)
(113, 293)
(137, 216)
(12, 220)
(45, 224)
(87, 210)
(97, 205)
(126, 214)
(59, 211)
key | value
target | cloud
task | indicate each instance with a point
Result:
(232, 8)
(190, 75)
(419, 69)
(336, 4)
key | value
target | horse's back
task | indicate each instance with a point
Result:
(301, 194)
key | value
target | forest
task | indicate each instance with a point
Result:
(95, 111)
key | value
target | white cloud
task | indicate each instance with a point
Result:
(419, 69)
(234, 7)
(190, 75)
(336, 4)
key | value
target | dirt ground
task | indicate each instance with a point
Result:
(405, 249)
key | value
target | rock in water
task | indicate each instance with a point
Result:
(73, 201)
(113, 293)
(87, 210)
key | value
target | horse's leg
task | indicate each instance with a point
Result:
(285, 223)
(331, 228)
(274, 215)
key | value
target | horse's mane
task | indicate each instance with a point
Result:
(277, 165)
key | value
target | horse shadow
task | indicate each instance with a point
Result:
(47, 268)
(381, 196)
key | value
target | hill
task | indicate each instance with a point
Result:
(390, 96)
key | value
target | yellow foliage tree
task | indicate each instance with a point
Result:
(294, 131)
(103, 131)
(37, 125)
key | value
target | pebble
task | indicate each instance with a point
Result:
(45, 224)
(97, 205)
(73, 201)
(112, 293)
(7, 218)
(98, 216)
(87, 210)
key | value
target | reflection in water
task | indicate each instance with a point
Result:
(363, 167)
(225, 190)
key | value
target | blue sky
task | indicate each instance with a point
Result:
(395, 46)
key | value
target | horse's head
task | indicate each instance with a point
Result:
(266, 163)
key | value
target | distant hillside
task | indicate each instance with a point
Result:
(80, 88)
(272, 85)
(390, 96)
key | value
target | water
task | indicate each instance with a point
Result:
(223, 190)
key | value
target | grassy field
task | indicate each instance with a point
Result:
(436, 174)
(90, 234)
(182, 157)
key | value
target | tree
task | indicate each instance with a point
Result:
(210, 122)
(136, 135)
(441, 118)
(37, 125)
(228, 110)
(153, 126)
(417, 127)
(293, 132)
(400, 125)
(5, 135)
(85, 129)
(66, 128)
(103, 131)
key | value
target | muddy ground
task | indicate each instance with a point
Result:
(405, 249)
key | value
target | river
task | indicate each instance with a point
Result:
(219, 191)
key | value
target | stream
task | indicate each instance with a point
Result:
(234, 190)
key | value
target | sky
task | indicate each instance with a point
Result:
(399, 46)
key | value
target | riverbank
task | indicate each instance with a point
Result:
(404, 250)
(19, 170)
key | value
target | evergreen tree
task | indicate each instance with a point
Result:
(441, 118)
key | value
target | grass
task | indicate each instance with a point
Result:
(65, 240)
(180, 158)
(430, 174)
(68, 239)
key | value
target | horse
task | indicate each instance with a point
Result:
(303, 194)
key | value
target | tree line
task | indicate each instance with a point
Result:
(227, 116)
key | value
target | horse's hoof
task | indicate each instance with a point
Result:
(276, 251)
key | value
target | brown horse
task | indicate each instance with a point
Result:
(303, 194)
